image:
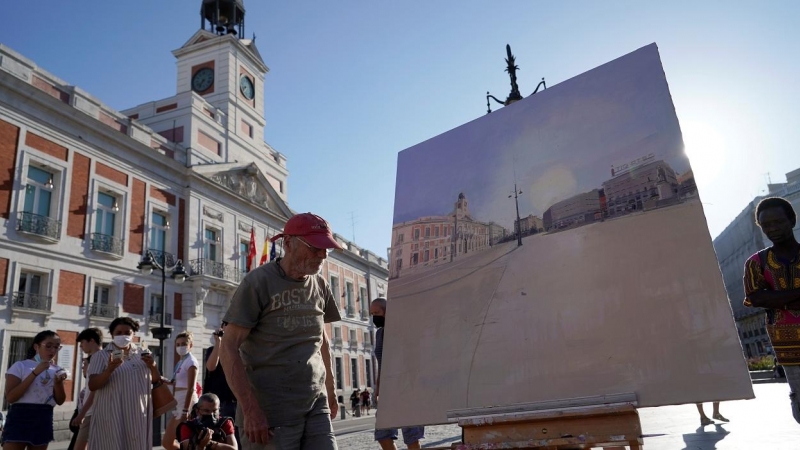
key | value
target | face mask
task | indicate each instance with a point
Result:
(183, 351)
(379, 321)
(209, 421)
(123, 341)
(37, 358)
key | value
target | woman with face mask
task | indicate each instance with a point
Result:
(122, 377)
(33, 387)
(184, 387)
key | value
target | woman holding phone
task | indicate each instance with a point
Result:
(122, 377)
(33, 387)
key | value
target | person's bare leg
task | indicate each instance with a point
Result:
(14, 446)
(387, 444)
(168, 441)
(704, 420)
(716, 415)
(414, 446)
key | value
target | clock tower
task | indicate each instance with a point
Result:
(218, 111)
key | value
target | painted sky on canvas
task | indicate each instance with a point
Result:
(353, 83)
(556, 144)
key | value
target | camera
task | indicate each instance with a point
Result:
(219, 333)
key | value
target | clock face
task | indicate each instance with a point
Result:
(246, 86)
(203, 79)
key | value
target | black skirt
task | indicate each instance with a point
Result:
(30, 423)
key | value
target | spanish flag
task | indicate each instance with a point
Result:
(264, 251)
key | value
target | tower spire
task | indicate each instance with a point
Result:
(223, 16)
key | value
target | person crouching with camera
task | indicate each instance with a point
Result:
(206, 429)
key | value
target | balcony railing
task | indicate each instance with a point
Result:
(166, 259)
(215, 269)
(365, 315)
(101, 310)
(337, 342)
(107, 244)
(39, 225)
(25, 300)
(353, 345)
(155, 319)
(351, 311)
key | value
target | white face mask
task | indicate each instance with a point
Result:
(123, 340)
(183, 351)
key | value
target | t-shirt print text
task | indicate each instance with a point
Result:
(295, 299)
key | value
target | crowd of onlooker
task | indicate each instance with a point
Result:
(124, 391)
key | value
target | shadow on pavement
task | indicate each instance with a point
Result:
(702, 440)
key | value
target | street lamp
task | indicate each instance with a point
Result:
(146, 266)
(514, 95)
(516, 194)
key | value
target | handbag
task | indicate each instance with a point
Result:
(163, 401)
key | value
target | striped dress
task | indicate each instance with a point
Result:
(122, 416)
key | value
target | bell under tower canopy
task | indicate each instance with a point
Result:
(223, 16)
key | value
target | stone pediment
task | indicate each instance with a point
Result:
(248, 182)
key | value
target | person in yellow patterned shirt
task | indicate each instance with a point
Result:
(772, 282)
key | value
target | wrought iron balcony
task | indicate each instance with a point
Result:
(39, 225)
(215, 269)
(337, 342)
(155, 319)
(101, 310)
(351, 311)
(353, 345)
(107, 244)
(26, 300)
(165, 259)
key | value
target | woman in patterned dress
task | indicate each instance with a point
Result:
(122, 377)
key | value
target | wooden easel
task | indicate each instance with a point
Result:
(609, 422)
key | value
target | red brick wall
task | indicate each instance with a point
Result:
(112, 122)
(50, 89)
(169, 107)
(70, 338)
(46, 146)
(208, 143)
(181, 226)
(9, 136)
(79, 196)
(110, 173)
(3, 275)
(173, 134)
(71, 288)
(133, 299)
(163, 195)
(136, 239)
(177, 306)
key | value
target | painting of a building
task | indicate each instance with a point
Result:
(434, 240)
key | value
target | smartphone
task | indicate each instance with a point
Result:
(117, 354)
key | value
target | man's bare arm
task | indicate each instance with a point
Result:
(774, 299)
(213, 358)
(330, 383)
(233, 366)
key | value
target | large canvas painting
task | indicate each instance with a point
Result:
(553, 249)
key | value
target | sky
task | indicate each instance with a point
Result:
(551, 146)
(351, 84)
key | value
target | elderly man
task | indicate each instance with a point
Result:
(275, 353)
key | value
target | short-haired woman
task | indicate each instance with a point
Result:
(184, 387)
(33, 387)
(122, 377)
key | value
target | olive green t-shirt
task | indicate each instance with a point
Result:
(282, 354)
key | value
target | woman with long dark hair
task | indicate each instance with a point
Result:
(33, 387)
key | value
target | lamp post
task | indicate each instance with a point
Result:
(516, 194)
(514, 95)
(146, 266)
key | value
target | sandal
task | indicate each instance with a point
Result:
(706, 421)
(720, 418)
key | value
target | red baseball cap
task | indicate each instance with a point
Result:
(311, 227)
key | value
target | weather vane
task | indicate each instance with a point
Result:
(514, 95)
